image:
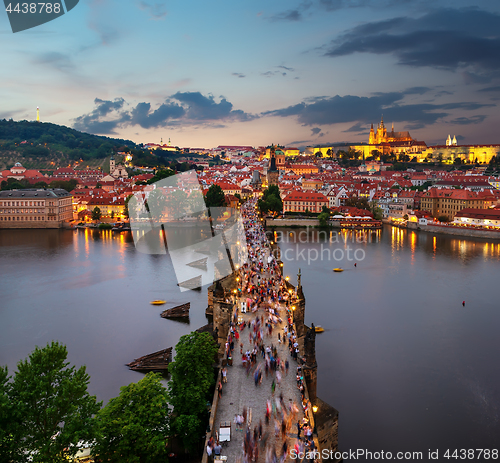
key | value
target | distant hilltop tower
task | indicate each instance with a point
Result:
(37, 114)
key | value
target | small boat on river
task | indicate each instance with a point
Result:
(158, 302)
(338, 270)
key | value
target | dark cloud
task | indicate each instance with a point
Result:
(286, 68)
(290, 15)
(356, 128)
(200, 108)
(143, 116)
(442, 38)
(315, 130)
(238, 74)
(350, 108)
(490, 89)
(183, 108)
(417, 90)
(92, 122)
(277, 73)
(156, 11)
(468, 120)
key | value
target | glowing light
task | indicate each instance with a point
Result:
(287, 278)
(315, 408)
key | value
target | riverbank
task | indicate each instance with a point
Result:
(455, 231)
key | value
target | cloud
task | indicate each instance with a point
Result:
(277, 73)
(143, 116)
(286, 68)
(351, 108)
(356, 128)
(157, 10)
(59, 61)
(468, 120)
(96, 21)
(490, 89)
(238, 74)
(315, 130)
(442, 38)
(290, 15)
(93, 122)
(180, 109)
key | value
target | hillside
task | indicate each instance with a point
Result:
(42, 145)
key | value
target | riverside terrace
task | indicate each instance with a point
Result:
(256, 309)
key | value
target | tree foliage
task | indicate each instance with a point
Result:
(134, 426)
(192, 377)
(53, 410)
(215, 199)
(43, 139)
(96, 214)
(271, 200)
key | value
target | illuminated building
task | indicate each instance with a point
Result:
(32, 208)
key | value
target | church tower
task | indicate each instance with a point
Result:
(272, 171)
(371, 140)
(112, 165)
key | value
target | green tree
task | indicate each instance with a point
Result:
(68, 185)
(96, 214)
(271, 200)
(7, 419)
(160, 175)
(53, 407)
(134, 426)
(126, 212)
(215, 198)
(443, 218)
(323, 219)
(192, 377)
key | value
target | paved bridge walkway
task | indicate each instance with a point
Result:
(240, 392)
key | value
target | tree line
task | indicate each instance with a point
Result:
(46, 411)
(43, 139)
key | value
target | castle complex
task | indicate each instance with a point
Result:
(381, 135)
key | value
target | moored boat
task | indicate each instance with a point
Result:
(158, 302)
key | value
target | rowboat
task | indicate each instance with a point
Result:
(338, 269)
(158, 302)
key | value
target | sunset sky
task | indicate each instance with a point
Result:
(254, 72)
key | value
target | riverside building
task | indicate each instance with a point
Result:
(32, 208)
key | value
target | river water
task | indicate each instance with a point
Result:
(407, 366)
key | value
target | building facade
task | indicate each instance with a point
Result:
(32, 208)
(302, 201)
(449, 202)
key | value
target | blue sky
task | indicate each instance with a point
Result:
(257, 72)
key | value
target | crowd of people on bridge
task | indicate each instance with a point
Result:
(264, 293)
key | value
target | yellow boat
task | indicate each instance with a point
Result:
(338, 269)
(158, 302)
(317, 329)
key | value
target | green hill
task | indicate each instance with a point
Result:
(43, 145)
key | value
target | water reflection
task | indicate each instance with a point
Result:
(460, 248)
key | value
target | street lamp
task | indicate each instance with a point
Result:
(315, 408)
